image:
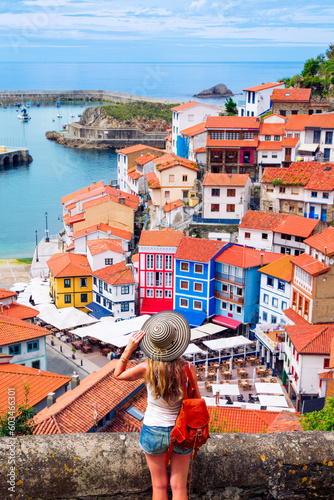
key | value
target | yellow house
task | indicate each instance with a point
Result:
(70, 280)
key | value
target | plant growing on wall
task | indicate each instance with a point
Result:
(322, 420)
(24, 424)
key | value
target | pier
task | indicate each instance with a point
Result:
(13, 156)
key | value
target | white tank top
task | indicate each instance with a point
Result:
(159, 413)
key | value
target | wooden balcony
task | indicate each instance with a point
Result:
(229, 296)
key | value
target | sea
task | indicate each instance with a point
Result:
(30, 194)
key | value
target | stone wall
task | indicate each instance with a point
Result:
(284, 466)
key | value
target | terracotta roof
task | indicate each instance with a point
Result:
(199, 128)
(15, 330)
(75, 218)
(167, 238)
(296, 226)
(225, 179)
(323, 120)
(272, 129)
(63, 265)
(269, 146)
(285, 422)
(135, 175)
(326, 375)
(73, 411)
(200, 150)
(323, 241)
(265, 118)
(240, 256)
(135, 257)
(100, 246)
(123, 421)
(290, 142)
(40, 382)
(69, 197)
(264, 86)
(309, 264)
(170, 160)
(135, 149)
(115, 199)
(142, 160)
(19, 311)
(117, 274)
(104, 228)
(210, 143)
(152, 180)
(262, 220)
(186, 105)
(281, 269)
(172, 206)
(70, 206)
(297, 122)
(234, 122)
(298, 320)
(70, 247)
(301, 95)
(5, 294)
(310, 174)
(198, 249)
(311, 339)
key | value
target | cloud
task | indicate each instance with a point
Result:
(197, 4)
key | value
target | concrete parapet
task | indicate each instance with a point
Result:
(283, 466)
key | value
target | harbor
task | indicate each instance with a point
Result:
(14, 156)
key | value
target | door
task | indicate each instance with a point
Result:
(324, 214)
(312, 210)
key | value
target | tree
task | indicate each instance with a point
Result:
(230, 107)
(311, 67)
(322, 420)
(24, 424)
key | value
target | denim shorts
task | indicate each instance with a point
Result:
(156, 440)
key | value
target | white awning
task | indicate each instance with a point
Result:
(65, 318)
(211, 328)
(193, 349)
(275, 401)
(228, 343)
(268, 388)
(106, 331)
(195, 334)
(226, 389)
(308, 148)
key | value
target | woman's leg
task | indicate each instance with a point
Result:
(158, 470)
(179, 466)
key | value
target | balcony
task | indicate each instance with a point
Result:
(229, 277)
(229, 296)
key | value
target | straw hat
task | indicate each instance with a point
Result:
(167, 336)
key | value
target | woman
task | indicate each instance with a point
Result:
(164, 338)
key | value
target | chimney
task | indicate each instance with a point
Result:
(262, 254)
(75, 380)
(51, 399)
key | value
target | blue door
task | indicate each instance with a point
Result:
(324, 214)
(311, 214)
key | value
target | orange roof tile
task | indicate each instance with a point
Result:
(264, 86)
(272, 129)
(75, 218)
(223, 419)
(265, 118)
(124, 422)
(310, 174)
(198, 249)
(323, 241)
(225, 179)
(301, 95)
(117, 274)
(170, 160)
(234, 122)
(298, 320)
(281, 269)
(296, 226)
(323, 120)
(69, 197)
(327, 375)
(309, 264)
(311, 339)
(186, 105)
(200, 150)
(70, 247)
(290, 142)
(19, 311)
(135, 149)
(40, 382)
(15, 330)
(5, 294)
(99, 246)
(172, 206)
(70, 206)
(142, 160)
(269, 146)
(115, 199)
(104, 228)
(211, 143)
(168, 238)
(240, 256)
(279, 223)
(73, 411)
(297, 122)
(64, 265)
(152, 180)
(194, 130)
(135, 175)
(286, 422)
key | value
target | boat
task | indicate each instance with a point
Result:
(23, 116)
(72, 116)
(28, 104)
(59, 115)
(38, 104)
(79, 116)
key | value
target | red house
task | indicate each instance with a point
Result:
(156, 269)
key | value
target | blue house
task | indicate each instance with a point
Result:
(194, 278)
(237, 286)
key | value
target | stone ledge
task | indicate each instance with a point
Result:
(296, 465)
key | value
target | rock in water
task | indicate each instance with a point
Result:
(217, 91)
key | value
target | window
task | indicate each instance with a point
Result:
(105, 286)
(294, 299)
(149, 293)
(294, 112)
(159, 261)
(284, 305)
(266, 298)
(168, 279)
(281, 285)
(267, 138)
(282, 189)
(275, 302)
(300, 303)
(199, 268)
(327, 154)
(167, 194)
(314, 194)
(277, 138)
(108, 262)
(282, 112)
(149, 278)
(184, 178)
(83, 282)
(36, 364)
(274, 319)
(270, 281)
(15, 349)
(238, 311)
(265, 316)
(183, 302)
(215, 207)
(224, 305)
(264, 236)
(325, 195)
(68, 299)
(67, 283)
(230, 208)
(125, 307)
(247, 236)
(168, 294)
(231, 192)
(95, 281)
(198, 287)
(215, 192)
(98, 299)
(84, 297)
(326, 362)
(239, 291)
(125, 289)
(171, 178)
(158, 279)
(316, 136)
(329, 138)
(149, 261)
(158, 294)
(230, 307)
(33, 346)
(168, 261)
(306, 307)
(197, 304)
(185, 266)
(184, 285)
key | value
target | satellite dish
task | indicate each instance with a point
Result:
(331, 261)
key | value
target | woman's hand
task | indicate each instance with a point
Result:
(134, 341)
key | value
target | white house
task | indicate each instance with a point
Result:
(172, 212)
(98, 231)
(257, 99)
(113, 292)
(319, 132)
(185, 116)
(195, 140)
(226, 196)
(270, 151)
(104, 252)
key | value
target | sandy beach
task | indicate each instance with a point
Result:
(13, 271)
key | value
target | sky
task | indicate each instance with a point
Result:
(168, 30)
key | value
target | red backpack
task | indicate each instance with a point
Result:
(191, 428)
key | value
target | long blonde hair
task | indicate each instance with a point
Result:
(165, 379)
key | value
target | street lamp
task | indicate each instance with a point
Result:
(46, 228)
(37, 259)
